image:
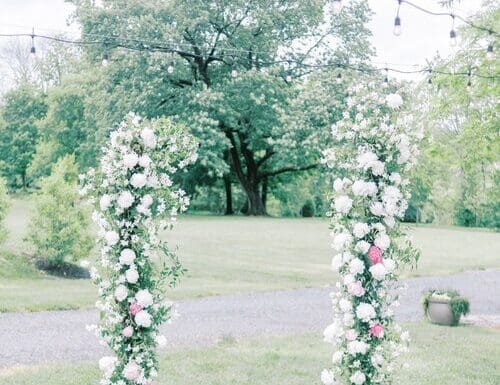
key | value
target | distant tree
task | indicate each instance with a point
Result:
(22, 108)
(4, 208)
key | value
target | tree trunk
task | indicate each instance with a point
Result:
(264, 192)
(229, 195)
(255, 205)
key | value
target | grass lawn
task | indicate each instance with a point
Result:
(439, 355)
(236, 254)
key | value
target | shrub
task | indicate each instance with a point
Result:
(459, 305)
(307, 209)
(59, 227)
(4, 208)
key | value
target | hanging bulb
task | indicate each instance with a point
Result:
(234, 73)
(397, 26)
(339, 78)
(337, 6)
(171, 67)
(386, 78)
(288, 78)
(430, 77)
(105, 59)
(489, 52)
(453, 38)
(33, 49)
(469, 81)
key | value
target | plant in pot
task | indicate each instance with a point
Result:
(445, 307)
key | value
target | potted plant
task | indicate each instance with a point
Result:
(445, 307)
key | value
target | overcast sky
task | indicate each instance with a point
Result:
(422, 35)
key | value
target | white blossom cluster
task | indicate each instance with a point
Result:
(372, 152)
(135, 200)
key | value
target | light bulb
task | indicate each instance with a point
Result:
(339, 78)
(288, 78)
(171, 68)
(234, 73)
(33, 50)
(397, 26)
(453, 38)
(337, 6)
(105, 59)
(489, 52)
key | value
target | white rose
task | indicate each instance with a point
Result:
(144, 298)
(104, 202)
(390, 221)
(363, 247)
(125, 200)
(378, 271)
(341, 240)
(121, 293)
(127, 257)
(377, 208)
(348, 319)
(362, 188)
(389, 264)
(143, 319)
(343, 204)
(348, 278)
(132, 276)
(357, 347)
(111, 237)
(394, 101)
(366, 159)
(331, 332)
(327, 377)
(148, 137)
(132, 371)
(360, 229)
(382, 241)
(395, 178)
(147, 200)
(138, 180)
(161, 341)
(338, 184)
(377, 168)
(337, 356)
(345, 305)
(358, 378)
(356, 266)
(365, 312)
(130, 160)
(144, 161)
(107, 365)
(337, 262)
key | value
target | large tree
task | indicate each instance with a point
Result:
(238, 67)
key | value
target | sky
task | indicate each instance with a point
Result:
(422, 35)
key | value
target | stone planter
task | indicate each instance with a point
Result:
(439, 312)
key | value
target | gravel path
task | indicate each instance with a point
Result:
(36, 338)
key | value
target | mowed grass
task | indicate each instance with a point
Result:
(439, 355)
(233, 255)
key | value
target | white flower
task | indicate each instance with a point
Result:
(144, 161)
(127, 257)
(144, 298)
(360, 229)
(337, 262)
(377, 168)
(147, 200)
(338, 184)
(105, 202)
(362, 188)
(327, 377)
(341, 240)
(143, 319)
(348, 278)
(138, 180)
(358, 378)
(377, 208)
(132, 275)
(148, 137)
(390, 222)
(357, 347)
(348, 319)
(382, 241)
(125, 200)
(111, 237)
(365, 312)
(377, 359)
(107, 365)
(331, 332)
(389, 264)
(363, 247)
(345, 305)
(130, 160)
(132, 371)
(366, 159)
(356, 266)
(395, 178)
(343, 204)
(378, 271)
(121, 293)
(84, 263)
(394, 101)
(337, 356)
(161, 341)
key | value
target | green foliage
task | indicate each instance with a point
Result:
(308, 209)
(4, 208)
(19, 132)
(459, 305)
(59, 227)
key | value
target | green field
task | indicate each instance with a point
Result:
(236, 254)
(439, 355)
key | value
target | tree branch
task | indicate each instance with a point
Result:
(287, 169)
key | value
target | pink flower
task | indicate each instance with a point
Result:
(135, 308)
(356, 288)
(375, 255)
(377, 330)
(128, 331)
(351, 334)
(132, 371)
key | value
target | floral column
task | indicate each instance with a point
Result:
(371, 155)
(135, 200)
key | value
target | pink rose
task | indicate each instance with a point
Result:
(128, 331)
(351, 334)
(132, 371)
(375, 255)
(377, 330)
(356, 288)
(135, 308)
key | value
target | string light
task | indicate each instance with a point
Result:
(489, 50)
(430, 76)
(453, 33)
(469, 81)
(337, 6)
(234, 73)
(171, 67)
(339, 78)
(386, 78)
(397, 22)
(33, 49)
